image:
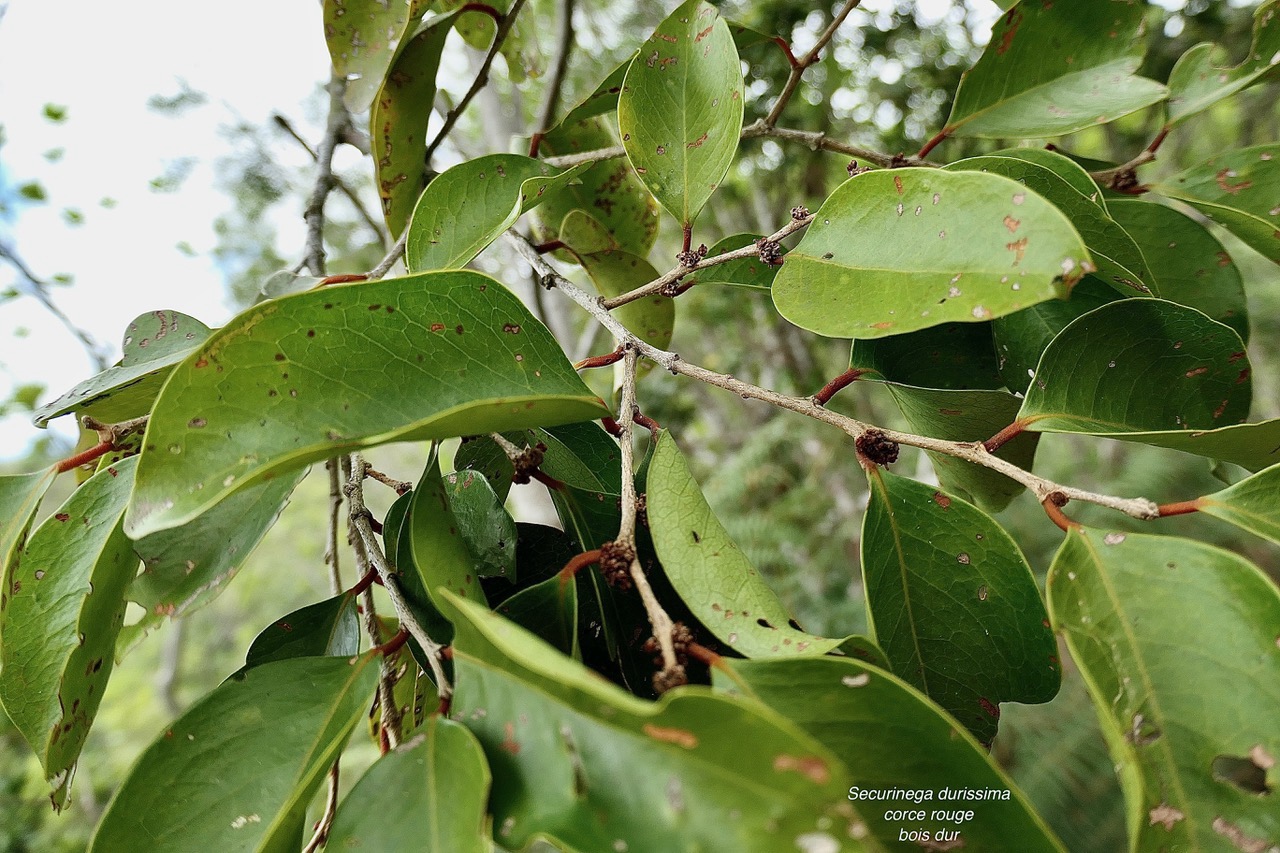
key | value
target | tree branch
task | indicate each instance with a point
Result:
(798, 66)
(555, 86)
(314, 215)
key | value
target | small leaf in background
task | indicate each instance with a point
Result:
(330, 627)
(1119, 260)
(748, 272)
(1123, 601)
(890, 736)
(904, 249)
(1250, 504)
(441, 784)
(487, 528)
(1055, 68)
(1021, 337)
(153, 343)
(716, 773)
(709, 571)
(364, 38)
(615, 272)
(467, 207)
(184, 568)
(20, 496)
(399, 117)
(1140, 365)
(953, 603)
(238, 769)
(1202, 77)
(1188, 263)
(1240, 190)
(305, 377)
(680, 110)
(583, 234)
(64, 603)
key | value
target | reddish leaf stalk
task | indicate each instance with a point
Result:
(370, 578)
(577, 563)
(483, 7)
(836, 385)
(343, 279)
(99, 450)
(786, 48)
(611, 426)
(1056, 515)
(600, 360)
(1179, 507)
(703, 655)
(647, 422)
(547, 480)
(550, 246)
(933, 143)
(390, 647)
(1003, 437)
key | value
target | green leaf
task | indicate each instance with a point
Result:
(330, 627)
(364, 38)
(184, 568)
(953, 603)
(1253, 446)
(610, 192)
(309, 376)
(1201, 76)
(1055, 68)
(153, 343)
(1139, 365)
(237, 770)
(1187, 262)
(904, 249)
(1240, 190)
(582, 234)
(748, 272)
(1068, 169)
(1250, 504)
(440, 782)
(1021, 338)
(603, 99)
(64, 606)
(953, 355)
(973, 415)
(709, 571)
(548, 610)
(713, 772)
(1122, 601)
(400, 115)
(487, 528)
(1119, 260)
(20, 496)
(680, 109)
(890, 736)
(469, 206)
(615, 272)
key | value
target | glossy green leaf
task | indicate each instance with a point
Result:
(969, 416)
(610, 192)
(1055, 68)
(363, 37)
(1252, 504)
(890, 736)
(953, 603)
(482, 455)
(904, 249)
(1119, 261)
(441, 784)
(487, 528)
(709, 571)
(329, 627)
(1139, 365)
(680, 109)
(748, 272)
(20, 496)
(1021, 338)
(237, 770)
(615, 272)
(603, 99)
(63, 609)
(399, 118)
(1202, 77)
(1253, 446)
(184, 568)
(1068, 169)
(716, 773)
(1187, 263)
(469, 206)
(1123, 602)
(953, 355)
(549, 610)
(153, 343)
(1239, 190)
(308, 376)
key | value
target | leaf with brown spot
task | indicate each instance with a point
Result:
(1240, 190)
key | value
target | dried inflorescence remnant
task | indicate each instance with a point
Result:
(527, 462)
(615, 564)
(877, 447)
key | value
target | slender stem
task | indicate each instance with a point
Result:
(1179, 507)
(1056, 514)
(482, 79)
(555, 86)
(394, 254)
(335, 512)
(578, 562)
(799, 65)
(94, 453)
(321, 835)
(934, 142)
(314, 215)
(39, 288)
(836, 385)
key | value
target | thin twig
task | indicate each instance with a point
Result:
(555, 86)
(394, 254)
(799, 66)
(314, 215)
(335, 511)
(321, 835)
(681, 270)
(970, 451)
(482, 79)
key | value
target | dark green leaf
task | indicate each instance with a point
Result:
(153, 344)
(1202, 78)
(904, 249)
(1021, 337)
(487, 528)
(62, 613)
(308, 376)
(1122, 601)
(329, 627)
(237, 770)
(20, 496)
(953, 355)
(680, 110)
(426, 797)
(1055, 68)
(953, 603)
(548, 610)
